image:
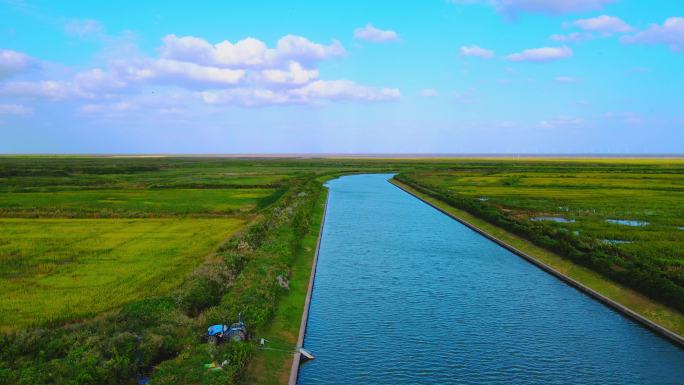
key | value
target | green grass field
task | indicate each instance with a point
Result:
(588, 199)
(79, 236)
(60, 269)
(132, 203)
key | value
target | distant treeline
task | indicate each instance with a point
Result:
(607, 260)
(162, 337)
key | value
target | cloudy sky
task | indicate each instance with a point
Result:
(429, 76)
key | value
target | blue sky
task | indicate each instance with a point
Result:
(460, 76)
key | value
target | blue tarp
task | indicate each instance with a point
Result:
(216, 329)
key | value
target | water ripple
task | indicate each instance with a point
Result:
(405, 295)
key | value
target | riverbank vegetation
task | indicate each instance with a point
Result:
(272, 366)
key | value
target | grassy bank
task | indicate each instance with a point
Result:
(268, 308)
(658, 313)
(273, 366)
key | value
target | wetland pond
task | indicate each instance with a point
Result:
(627, 222)
(404, 294)
(552, 219)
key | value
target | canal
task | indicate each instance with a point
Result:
(404, 294)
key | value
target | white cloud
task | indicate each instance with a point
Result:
(143, 104)
(566, 79)
(13, 62)
(259, 76)
(345, 90)
(96, 79)
(671, 33)
(246, 73)
(295, 74)
(544, 54)
(334, 90)
(549, 7)
(83, 28)
(628, 117)
(604, 24)
(107, 108)
(46, 89)
(248, 52)
(595, 27)
(194, 49)
(301, 49)
(562, 122)
(429, 92)
(15, 109)
(375, 35)
(465, 2)
(476, 51)
(246, 97)
(166, 71)
(125, 78)
(88, 84)
(572, 37)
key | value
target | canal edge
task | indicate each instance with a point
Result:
(296, 360)
(661, 330)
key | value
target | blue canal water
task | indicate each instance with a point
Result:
(405, 295)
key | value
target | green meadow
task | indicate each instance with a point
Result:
(61, 269)
(131, 203)
(589, 199)
(79, 236)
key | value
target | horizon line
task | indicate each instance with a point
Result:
(391, 155)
